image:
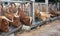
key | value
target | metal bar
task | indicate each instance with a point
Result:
(29, 10)
(10, 32)
(46, 1)
(40, 2)
(33, 1)
(40, 7)
(16, 1)
(58, 5)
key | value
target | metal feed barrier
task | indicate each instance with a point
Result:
(12, 29)
(35, 23)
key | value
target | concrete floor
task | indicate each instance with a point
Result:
(50, 29)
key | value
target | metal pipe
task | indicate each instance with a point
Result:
(16, 1)
(33, 10)
(29, 10)
(46, 1)
(58, 5)
(40, 2)
(41, 7)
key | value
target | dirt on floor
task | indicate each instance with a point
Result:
(49, 29)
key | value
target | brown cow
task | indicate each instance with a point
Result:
(24, 18)
(4, 24)
(14, 20)
(42, 15)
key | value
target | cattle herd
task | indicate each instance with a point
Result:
(15, 16)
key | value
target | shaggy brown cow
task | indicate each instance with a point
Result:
(42, 15)
(24, 18)
(4, 24)
(15, 21)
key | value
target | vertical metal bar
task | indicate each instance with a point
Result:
(33, 10)
(0, 12)
(46, 1)
(23, 7)
(33, 13)
(58, 5)
(41, 7)
(29, 10)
